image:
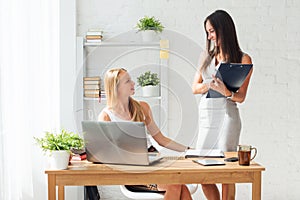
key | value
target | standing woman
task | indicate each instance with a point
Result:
(122, 107)
(219, 118)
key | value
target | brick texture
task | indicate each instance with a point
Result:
(269, 31)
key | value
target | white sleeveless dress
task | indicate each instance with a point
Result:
(219, 119)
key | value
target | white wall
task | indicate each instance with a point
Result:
(267, 30)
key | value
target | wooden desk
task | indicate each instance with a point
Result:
(168, 171)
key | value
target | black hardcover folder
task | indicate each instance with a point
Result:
(233, 75)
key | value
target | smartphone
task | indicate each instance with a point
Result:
(231, 159)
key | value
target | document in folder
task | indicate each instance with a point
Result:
(233, 75)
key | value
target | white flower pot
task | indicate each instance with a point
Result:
(150, 91)
(149, 36)
(59, 159)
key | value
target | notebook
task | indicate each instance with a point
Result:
(209, 162)
(208, 153)
(117, 143)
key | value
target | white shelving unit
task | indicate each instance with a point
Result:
(94, 59)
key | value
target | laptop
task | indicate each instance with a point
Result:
(117, 143)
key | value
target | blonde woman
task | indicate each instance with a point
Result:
(122, 107)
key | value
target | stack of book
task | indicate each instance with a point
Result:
(94, 35)
(92, 86)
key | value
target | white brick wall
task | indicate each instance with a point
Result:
(269, 31)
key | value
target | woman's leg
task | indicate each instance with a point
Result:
(185, 193)
(211, 191)
(228, 191)
(173, 192)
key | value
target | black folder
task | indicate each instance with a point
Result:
(233, 75)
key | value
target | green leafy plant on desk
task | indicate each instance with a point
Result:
(60, 141)
(60, 145)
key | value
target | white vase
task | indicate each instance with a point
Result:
(59, 159)
(150, 91)
(149, 36)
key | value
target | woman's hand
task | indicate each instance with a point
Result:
(219, 86)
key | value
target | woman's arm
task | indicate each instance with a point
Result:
(156, 133)
(198, 86)
(240, 95)
(103, 116)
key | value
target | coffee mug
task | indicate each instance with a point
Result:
(244, 154)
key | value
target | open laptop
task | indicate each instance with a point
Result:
(117, 143)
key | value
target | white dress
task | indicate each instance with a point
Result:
(219, 119)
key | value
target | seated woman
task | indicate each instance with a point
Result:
(122, 107)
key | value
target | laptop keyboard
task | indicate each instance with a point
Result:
(174, 157)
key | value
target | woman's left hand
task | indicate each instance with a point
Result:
(218, 85)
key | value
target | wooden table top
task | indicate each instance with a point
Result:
(164, 166)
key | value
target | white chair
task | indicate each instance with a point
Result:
(151, 195)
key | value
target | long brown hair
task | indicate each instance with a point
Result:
(226, 35)
(111, 82)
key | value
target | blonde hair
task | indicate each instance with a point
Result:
(111, 82)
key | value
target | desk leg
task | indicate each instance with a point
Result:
(51, 187)
(256, 186)
(61, 192)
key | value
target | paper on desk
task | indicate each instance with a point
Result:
(210, 153)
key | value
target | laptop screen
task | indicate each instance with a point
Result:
(116, 142)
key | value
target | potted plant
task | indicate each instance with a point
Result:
(149, 26)
(60, 145)
(149, 82)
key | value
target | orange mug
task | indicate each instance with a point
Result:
(244, 154)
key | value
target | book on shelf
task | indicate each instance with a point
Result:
(91, 86)
(94, 91)
(91, 95)
(92, 78)
(94, 33)
(91, 82)
(93, 37)
(96, 95)
(94, 41)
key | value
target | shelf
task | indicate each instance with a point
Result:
(112, 44)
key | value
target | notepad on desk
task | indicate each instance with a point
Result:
(209, 153)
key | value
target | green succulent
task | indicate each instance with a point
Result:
(149, 23)
(148, 78)
(61, 141)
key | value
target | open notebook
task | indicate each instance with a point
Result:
(209, 153)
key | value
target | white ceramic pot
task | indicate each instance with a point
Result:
(150, 91)
(149, 36)
(59, 159)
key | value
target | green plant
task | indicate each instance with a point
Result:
(60, 141)
(149, 23)
(148, 78)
